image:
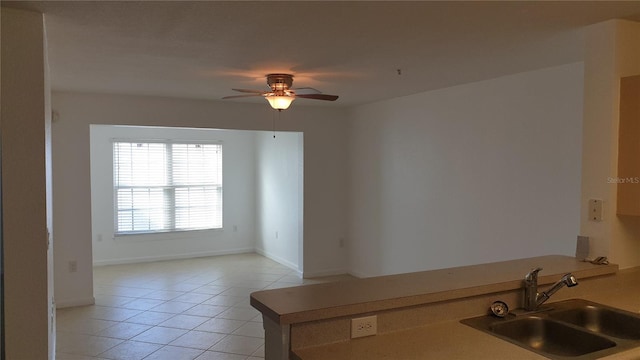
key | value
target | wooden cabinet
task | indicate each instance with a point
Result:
(628, 180)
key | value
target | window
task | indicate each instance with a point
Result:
(166, 186)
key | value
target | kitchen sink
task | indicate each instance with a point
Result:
(572, 329)
(549, 336)
(602, 320)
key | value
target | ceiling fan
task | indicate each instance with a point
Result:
(282, 94)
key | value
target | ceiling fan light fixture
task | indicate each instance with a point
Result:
(279, 102)
(282, 95)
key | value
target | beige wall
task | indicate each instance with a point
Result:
(612, 51)
(24, 215)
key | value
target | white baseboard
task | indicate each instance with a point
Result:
(358, 275)
(328, 272)
(280, 260)
(171, 257)
(65, 303)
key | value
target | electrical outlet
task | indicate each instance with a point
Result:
(73, 266)
(364, 326)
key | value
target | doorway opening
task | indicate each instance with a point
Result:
(262, 198)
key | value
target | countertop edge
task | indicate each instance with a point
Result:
(261, 299)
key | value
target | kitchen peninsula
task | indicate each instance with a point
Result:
(418, 313)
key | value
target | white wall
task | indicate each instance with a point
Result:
(324, 171)
(238, 231)
(279, 197)
(612, 52)
(481, 172)
(25, 107)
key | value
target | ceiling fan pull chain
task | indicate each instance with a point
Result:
(273, 118)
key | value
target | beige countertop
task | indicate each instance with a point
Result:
(346, 298)
(453, 340)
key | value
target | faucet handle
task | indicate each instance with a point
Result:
(570, 280)
(533, 274)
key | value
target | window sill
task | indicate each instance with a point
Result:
(163, 235)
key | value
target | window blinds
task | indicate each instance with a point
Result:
(166, 186)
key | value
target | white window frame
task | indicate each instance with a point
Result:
(169, 189)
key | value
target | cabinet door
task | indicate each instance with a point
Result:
(629, 147)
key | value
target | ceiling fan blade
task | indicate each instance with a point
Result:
(240, 96)
(319, 97)
(250, 91)
(306, 91)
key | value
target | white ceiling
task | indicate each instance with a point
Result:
(352, 49)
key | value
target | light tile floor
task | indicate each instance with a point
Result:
(173, 310)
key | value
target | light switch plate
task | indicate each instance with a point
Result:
(595, 210)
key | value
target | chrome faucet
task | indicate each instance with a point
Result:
(533, 299)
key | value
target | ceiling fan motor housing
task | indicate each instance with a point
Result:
(279, 82)
(282, 92)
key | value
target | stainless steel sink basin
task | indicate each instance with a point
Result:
(602, 320)
(572, 329)
(550, 336)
